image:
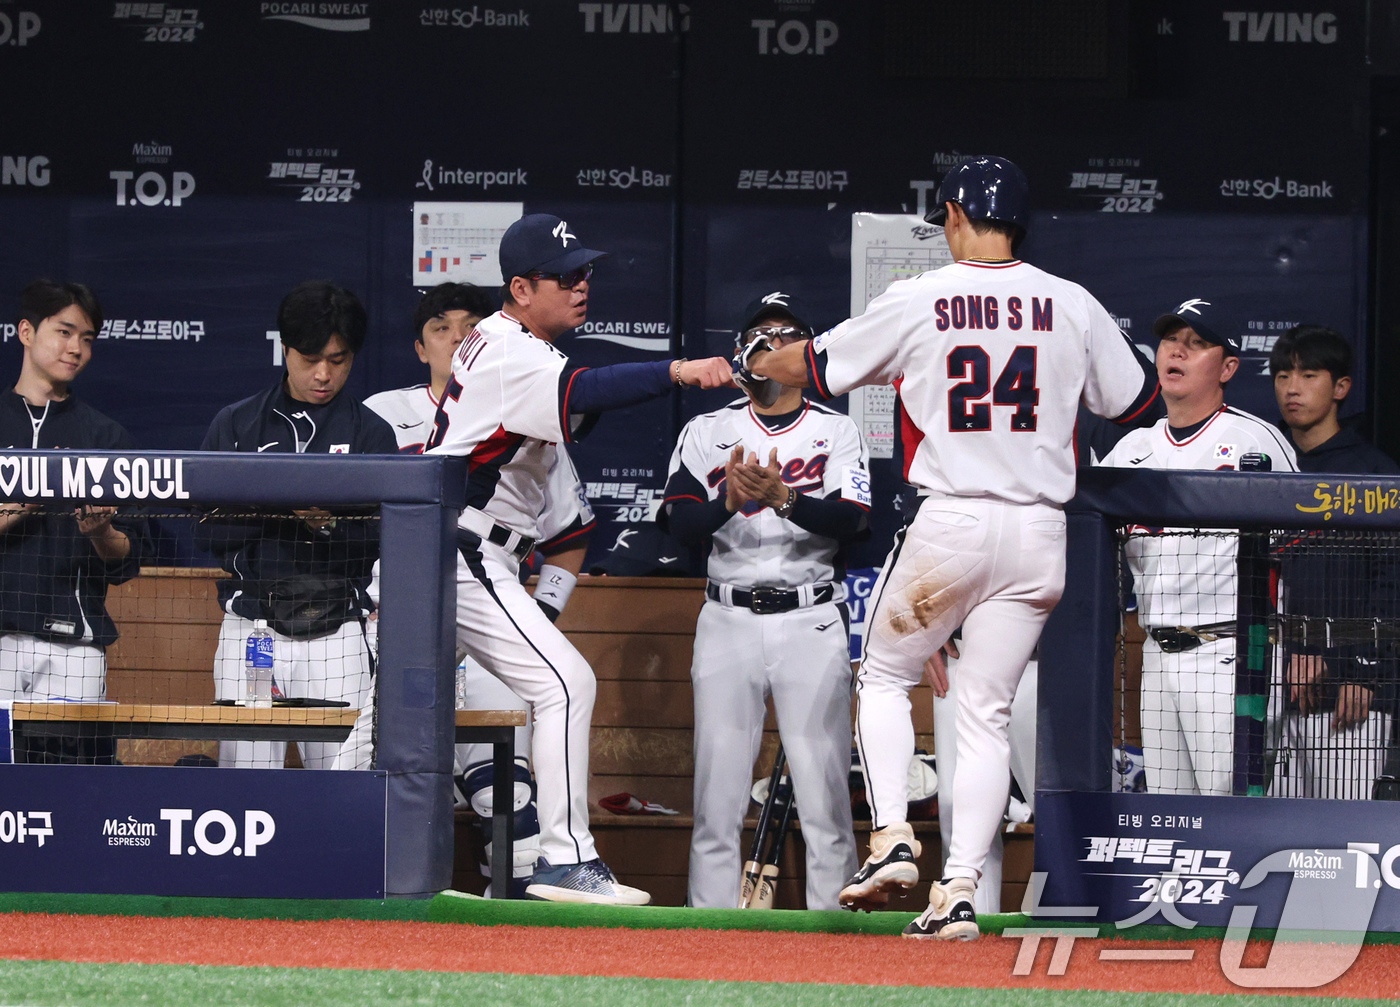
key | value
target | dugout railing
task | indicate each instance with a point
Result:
(1116, 853)
(387, 831)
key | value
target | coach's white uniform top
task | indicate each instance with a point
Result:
(505, 410)
(820, 453)
(411, 412)
(1189, 579)
(990, 361)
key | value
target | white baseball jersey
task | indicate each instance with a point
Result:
(991, 361)
(1190, 579)
(411, 412)
(820, 453)
(504, 408)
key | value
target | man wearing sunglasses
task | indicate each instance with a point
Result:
(779, 490)
(512, 399)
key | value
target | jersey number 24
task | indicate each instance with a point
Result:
(971, 367)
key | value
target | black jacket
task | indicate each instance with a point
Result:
(1344, 453)
(53, 585)
(305, 580)
(1343, 574)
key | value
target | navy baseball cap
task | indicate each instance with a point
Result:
(542, 243)
(1205, 318)
(777, 304)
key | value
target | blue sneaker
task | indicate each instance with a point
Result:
(591, 882)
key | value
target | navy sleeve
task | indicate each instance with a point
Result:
(220, 436)
(376, 436)
(833, 517)
(597, 389)
(692, 523)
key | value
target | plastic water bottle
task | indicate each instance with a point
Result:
(257, 663)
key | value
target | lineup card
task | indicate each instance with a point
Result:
(460, 242)
(886, 247)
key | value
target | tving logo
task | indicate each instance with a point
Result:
(258, 830)
(1278, 26)
(25, 170)
(633, 18)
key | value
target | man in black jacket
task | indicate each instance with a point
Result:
(56, 565)
(305, 573)
(1339, 692)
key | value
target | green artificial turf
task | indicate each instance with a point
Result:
(66, 984)
(454, 907)
(234, 909)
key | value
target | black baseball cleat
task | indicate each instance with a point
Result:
(949, 916)
(890, 866)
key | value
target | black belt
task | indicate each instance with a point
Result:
(512, 542)
(1174, 641)
(769, 600)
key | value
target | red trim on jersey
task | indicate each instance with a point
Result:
(428, 390)
(684, 496)
(1181, 444)
(564, 405)
(492, 448)
(1139, 411)
(792, 426)
(910, 436)
(814, 374)
(552, 546)
(989, 265)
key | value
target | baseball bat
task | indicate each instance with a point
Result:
(753, 866)
(768, 873)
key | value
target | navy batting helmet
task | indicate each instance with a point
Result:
(987, 188)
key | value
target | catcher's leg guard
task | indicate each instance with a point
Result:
(475, 785)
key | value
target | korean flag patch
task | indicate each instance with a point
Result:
(855, 485)
(1224, 452)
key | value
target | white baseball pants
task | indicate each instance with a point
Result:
(500, 626)
(1021, 735)
(1316, 761)
(335, 666)
(37, 670)
(997, 569)
(801, 658)
(1188, 718)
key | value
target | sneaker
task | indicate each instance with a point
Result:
(591, 882)
(949, 916)
(890, 865)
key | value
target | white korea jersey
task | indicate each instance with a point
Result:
(411, 412)
(501, 409)
(991, 361)
(820, 454)
(1190, 579)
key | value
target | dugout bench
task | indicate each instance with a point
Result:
(285, 723)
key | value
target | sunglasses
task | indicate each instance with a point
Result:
(568, 280)
(786, 333)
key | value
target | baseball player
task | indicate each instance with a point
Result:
(991, 357)
(1184, 580)
(1021, 739)
(1340, 698)
(512, 398)
(55, 565)
(306, 575)
(445, 316)
(774, 620)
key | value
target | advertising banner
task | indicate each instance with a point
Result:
(247, 833)
(1151, 858)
